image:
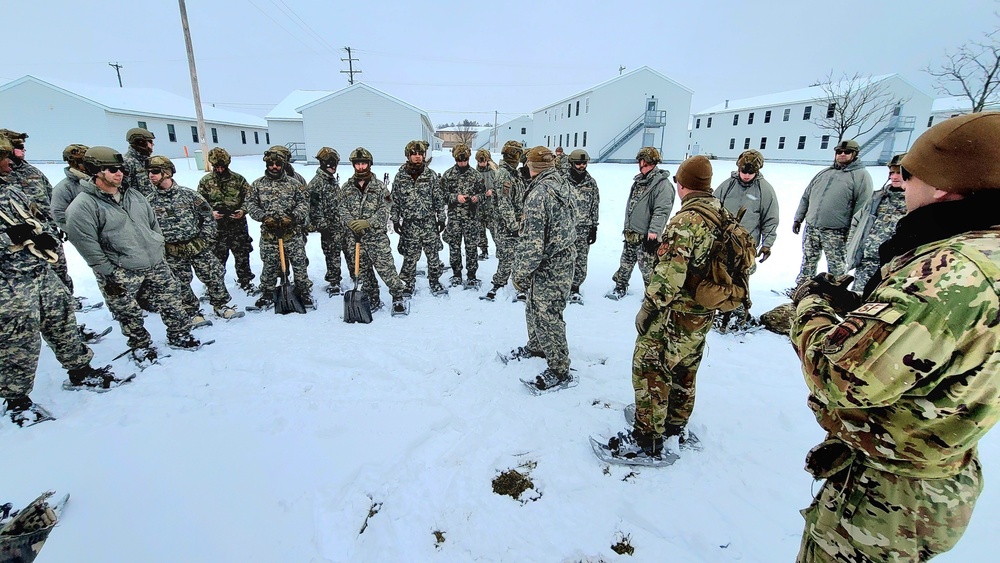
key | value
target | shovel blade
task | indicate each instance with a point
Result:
(357, 307)
(286, 301)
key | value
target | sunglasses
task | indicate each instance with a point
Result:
(842, 151)
(155, 171)
(271, 162)
(481, 159)
(113, 169)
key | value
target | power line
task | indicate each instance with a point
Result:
(350, 65)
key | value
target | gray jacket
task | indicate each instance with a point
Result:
(109, 234)
(875, 222)
(761, 218)
(64, 193)
(650, 203)
(834, 198)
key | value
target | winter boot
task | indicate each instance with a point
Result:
(333, 289)
(91, 336)
(455, 281)
(472, 282)
(484, 254)
(199, 320)
(574, 295)
(631, 444)
(23, 412)
(228, 312)
(521, 296)
(524, 352)
(491, 295)
(184, 342)
(145, 355)
(617, 293)
(399, 307)
(436, 287)
(249, 287)
(264, 302)
(100, 379)
(307, 300)
(549, 379)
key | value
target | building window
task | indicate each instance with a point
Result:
(171, 133)
(736, 119)
(830, 111)
(807, 113)
(746, 143)
(781, 143)
(763, 143)
(709, 124)
(569, 110)
(930, 121)
(256, 138)
(548, 141)
(732, 144)
(524, 130)
(194, 133)
(560, 141)
(788, 112)
(586, 105)
(215, 135)
(243, 137)
(574, 138)
(578, 107)
(267, 138)
(767, 116)
(824, 142)
(802, 142)
(584, 138)
(750, 119)
(142, 125)
(697, 123)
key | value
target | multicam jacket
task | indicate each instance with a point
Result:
(685, 248)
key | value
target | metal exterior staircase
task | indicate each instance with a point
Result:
(298, 151)
(897, 124)
(648, 119)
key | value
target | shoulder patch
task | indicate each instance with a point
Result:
(881, 311)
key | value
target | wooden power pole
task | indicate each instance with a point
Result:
(194, 86)
(350, 66)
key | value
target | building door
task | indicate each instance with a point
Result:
(647, 138)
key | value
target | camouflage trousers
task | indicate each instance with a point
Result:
(869, 263)
(462, 230)
(815, 241)
(631, 254)
(208, 269)
(233, 236)
(62, 269)
(332, 243)
(664, 367)
(420, 236)
(863, 514)
(543, 312)
(33, 304)
(156, 285)
(582, 253)
(376, 256)
(505, 259)
(295, 257)
(484, 223)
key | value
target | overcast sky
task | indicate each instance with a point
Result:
(467, 60)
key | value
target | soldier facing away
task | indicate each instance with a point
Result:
(906, 384)
(140, 148)
(226, 192)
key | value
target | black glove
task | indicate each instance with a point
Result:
(45, 241)
(834, 290)
(441, 226)
(112, 288)
(796, 227)
(764, 253)
(650, 245)
(398, 226)
(592, 237)
(20, 233)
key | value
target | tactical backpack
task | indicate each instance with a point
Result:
(723, 283)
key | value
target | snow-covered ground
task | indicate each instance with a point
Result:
(291, 434)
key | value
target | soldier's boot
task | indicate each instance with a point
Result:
(99, 379)
(228, 312)
(574, 295)
(521, 296)
(618, 292)
(525, 352)
(333, 289)
(491, 295)
(249, 287)
(24, 412)
(456, 280)
(145, 355)
(484, 254)
(264, 302)
(550, 378)
(198, 320)
(632, 443)
(436, 287)
(307, 300)
(184, 342)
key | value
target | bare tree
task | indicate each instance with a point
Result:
(856, 102)
(973, 71)
(465, 134)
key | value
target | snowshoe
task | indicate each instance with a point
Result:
(249, 288)
(484, 255)
(91, 336)
(377, 305)
(421, 273)
(307, 301)
(549, 381)
(472, 283)
(186, 342)
(519, 353)
(400, 307)
(333, 289)
(199, 320)
(204, 298)
(143, 357)
(617, 293)
(491, 295)
(455, 281)
(98, 380)
(262, 304)
(228, 313)
(24, 413)
(623, 450)
(686, 439)
(437, 289)
(409, 291)
(520, 297)
(89, 308)
(576, 298)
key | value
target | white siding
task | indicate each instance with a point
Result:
(512, 130)
(229, 136)
(284, 132)
(53, 120)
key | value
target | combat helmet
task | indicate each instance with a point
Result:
(137, 138)
(750, 161)
(326, 155)
(73, 154)
(649, 154)
(511, 152)
(414, 147)
(361, 154)
(579, 156)
(219, 157)
(163, 163)
(461, 152)
(5, 147)
(277, 152)
(896, 162)
(98, 157)
(848, 145)
(16, 139)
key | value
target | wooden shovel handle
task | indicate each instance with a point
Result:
(281, 254)
(357, 258)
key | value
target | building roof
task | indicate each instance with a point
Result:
(362, 86)
(463, 129)
(142, 101)
(615, 79)
(287, 109)
(959, 104)
(782, 98)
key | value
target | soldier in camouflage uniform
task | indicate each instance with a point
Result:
(650, 202)
(830, 206)
(487, 207)
(588, 203)
(281, 205)
(324, 215)
(671, 324)
(140, 148)
(509, 202)
(464, 188)
(114, 229)
(418, 207)
(188, 230)
(877, 224)
(907, 384)
(226, 192)
(365, 208)
(33, 301)
(544, 265)
(562, 162)
(69, 187)
(286, 153)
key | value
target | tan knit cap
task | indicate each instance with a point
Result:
(695, 173)
(959, 155)
(540, 158)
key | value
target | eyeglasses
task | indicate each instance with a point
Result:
(843, 151)
(462, 159)
(155, 171)
(113, 169)
(274, 162)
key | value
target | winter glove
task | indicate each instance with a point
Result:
(270, 222)
(764, 253)
(833, 290)
(650, 245)
(45, 241)
(441, 226)
(592, 237)
(796, 227)
(20, 233)
(645, 317)
(112, 287)
(398, 226)
(525, 174)
(359, 225)
(285, 222)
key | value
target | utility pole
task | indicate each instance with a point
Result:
(118, 69)
(194, 85)
(496, 116)
(621, 69)
(350, 65)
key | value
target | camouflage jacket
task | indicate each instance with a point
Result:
(761, 217)
(911, 378)
(17, 262)
(111, 234)
(549, 224)
(562, 164)
(183, 215)
(588, 200)
(834, 197)
(373, 204)
(324, 201)
(228, 191)
(685, 249)
(136, 175)
(417, 198)
(509, 199)
(468, 182)
(278, 198)
(488, 204)
(32, 183)
(649, 202)
(877, 221)
(64, 193)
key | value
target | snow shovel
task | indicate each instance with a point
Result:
(357, 307)
(285, 300)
